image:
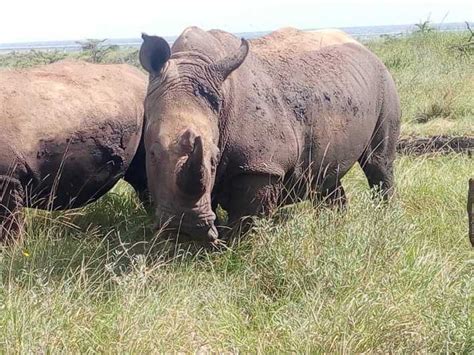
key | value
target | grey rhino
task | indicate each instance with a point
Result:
(254, 125)
(69, 131)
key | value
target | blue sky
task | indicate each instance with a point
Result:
(36, 20)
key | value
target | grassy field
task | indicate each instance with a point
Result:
(387, 278)
(435, 81)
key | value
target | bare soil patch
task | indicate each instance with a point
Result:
(436, 144)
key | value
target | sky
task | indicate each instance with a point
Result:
(41, 20)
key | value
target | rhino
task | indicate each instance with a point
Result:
(252, 125)
(69, 131)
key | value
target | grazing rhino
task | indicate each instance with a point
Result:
(69, 131)
(250, 129)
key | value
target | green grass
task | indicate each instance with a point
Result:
(372, 278)
(385, 278)
(434, 79)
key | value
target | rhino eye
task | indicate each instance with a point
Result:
(215, 158)
(213, 164)
(154, 150)
(210, 96)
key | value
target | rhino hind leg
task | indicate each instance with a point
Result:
(11, 202)
(380, 177)
(378, 159)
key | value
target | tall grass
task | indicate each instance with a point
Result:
(386, 278)
(371, 278)
(435, 81)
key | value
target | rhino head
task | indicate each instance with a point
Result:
(183, 106)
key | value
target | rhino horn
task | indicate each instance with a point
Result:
(227, 65)
(191, 175)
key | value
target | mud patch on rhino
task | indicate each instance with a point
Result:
(77, 170)
(298, 101)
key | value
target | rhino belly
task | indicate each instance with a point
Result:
(72, 172)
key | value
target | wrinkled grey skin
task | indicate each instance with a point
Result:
(252, 129)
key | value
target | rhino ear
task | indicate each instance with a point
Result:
(154, 53)
(227, 65)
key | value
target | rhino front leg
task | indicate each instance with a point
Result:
(11, 202)
(332, 193)
(252, 195)
(136, 175)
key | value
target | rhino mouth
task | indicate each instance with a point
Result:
(187, 228)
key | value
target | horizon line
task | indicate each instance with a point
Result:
(171, 38)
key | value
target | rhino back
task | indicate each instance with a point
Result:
(290, 41)
(71, 119)
(304, 103)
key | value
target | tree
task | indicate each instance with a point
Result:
(96, 49)
(424, 27)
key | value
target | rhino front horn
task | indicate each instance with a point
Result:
(191, 175)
